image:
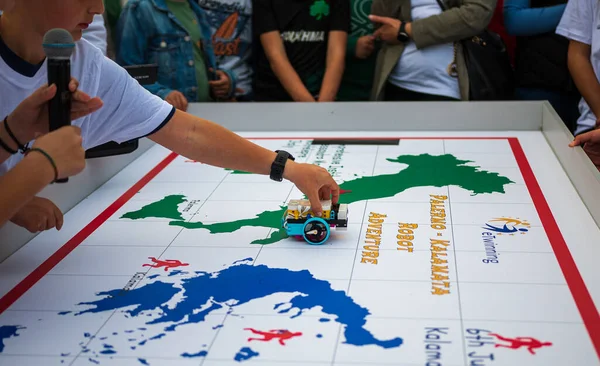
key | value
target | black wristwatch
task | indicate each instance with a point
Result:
(402, 35)
(279, 164)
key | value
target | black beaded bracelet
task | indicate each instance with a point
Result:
(7, 148)
(20, 146)
(49, 159)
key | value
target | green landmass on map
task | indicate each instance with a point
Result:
(421, 171)
(164, 209)
(237, 171)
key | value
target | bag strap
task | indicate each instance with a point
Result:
(452, 68)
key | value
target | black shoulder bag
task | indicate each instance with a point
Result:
(491, 76)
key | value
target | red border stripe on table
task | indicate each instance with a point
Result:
(37, 274)
(580, 293)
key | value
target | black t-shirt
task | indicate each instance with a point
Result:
(304, 26)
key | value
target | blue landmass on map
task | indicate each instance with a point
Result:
(7, 331)
(191, 355)
(245, 354)
(237, 285)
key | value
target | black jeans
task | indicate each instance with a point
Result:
(396, 94)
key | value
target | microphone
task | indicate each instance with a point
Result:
(58, 46)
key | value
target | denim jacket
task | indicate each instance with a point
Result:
(148, 33)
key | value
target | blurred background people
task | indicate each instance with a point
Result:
(541, 70)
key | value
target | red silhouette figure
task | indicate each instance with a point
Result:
(281, 334)
(344, 191)
(518, 342)
(167, 263)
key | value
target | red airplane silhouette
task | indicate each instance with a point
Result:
(167, 263)
(281, 334)
(518, 342)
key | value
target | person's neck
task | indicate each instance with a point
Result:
(21, 38)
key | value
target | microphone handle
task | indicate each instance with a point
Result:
(59, 107)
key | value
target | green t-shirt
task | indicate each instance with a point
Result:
(186, 16)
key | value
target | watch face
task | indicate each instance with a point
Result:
(402, 37)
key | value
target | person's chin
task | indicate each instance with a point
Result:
(77, 34)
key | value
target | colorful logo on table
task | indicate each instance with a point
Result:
(507, 226)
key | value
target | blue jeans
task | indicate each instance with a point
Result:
(566, 105)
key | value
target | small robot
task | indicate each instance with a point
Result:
(300, 222)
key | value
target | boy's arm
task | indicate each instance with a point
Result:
(336, 50)
(280, 64)
(267, 28)
(210, 143)
(132, 44)
(577, 25)
(583, 74)
(22, 183)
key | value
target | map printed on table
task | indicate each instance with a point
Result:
(451, 257)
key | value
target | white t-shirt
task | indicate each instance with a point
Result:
(96, 33)
(129, 111)
(579, 22)
(425, 70)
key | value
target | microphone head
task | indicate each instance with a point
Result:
(58, 43)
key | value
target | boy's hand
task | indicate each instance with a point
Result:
(177, 100)
(39, 214)
(365, 46)
(221, 86)
(591, 140)
(585, 138)
(30, 119)
(315, 182)
(64, 147)
(388, 32)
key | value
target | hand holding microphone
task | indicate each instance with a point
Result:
(58, 46)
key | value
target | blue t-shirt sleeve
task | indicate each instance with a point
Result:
(522, 20)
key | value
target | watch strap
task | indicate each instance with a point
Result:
(278, 165)
(402, 35)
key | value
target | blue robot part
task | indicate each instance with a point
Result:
(298, 221)
(316, 231)
(293, 229)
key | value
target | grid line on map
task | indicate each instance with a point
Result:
(227, 360)
(462, 325)
(270, 314)
(162, 253)
(345, 279)
(253, 263)
(362, 224)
